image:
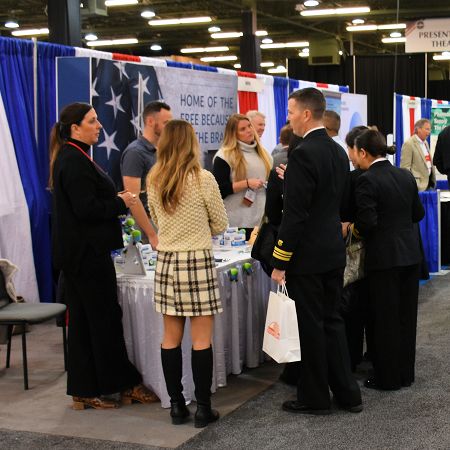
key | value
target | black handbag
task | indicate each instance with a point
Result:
(262, 249)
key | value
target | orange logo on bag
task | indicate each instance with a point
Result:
(274, 330)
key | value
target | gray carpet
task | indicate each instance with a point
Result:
(413, 418)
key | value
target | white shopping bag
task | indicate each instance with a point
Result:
(281, 339)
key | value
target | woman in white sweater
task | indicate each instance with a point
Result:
(185, 204)
(242, 167)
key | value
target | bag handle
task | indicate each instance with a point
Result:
(282, 289)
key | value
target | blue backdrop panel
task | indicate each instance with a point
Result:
(429, 229)
(73, 78)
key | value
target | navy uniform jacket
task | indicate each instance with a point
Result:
(85, 209)
(310, 236)
(388, 205)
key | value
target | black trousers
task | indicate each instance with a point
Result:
(393, 297)
(325, 360)
(98, 363)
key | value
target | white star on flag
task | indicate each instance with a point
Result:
(108, 143)
(121, 67)
(94, 93)
(141, 86)
(115, 102)
(136, 122)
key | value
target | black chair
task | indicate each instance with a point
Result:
(24, 314)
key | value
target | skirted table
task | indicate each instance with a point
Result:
(238, 331)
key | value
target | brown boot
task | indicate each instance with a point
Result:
(93, 402)
(139, 393)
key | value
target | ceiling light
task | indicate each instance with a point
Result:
(335, 12)
(30, 32)
(120, 2)
(373, 27)
(237, 66)
(305, 50)
(392, 26)
(267, 41)
(204, 49)
(285, 45)
(357, 21)
(278, 69)
(393, 40)
(105, 43)
(91, 37)
(396, 34)
(156, 47)
(267, 64)
(236, 34)
(147, 14)
(445, 56)
(340, 52)
(311, 3)
(184, 21)
(11, 24)
(303, 54)
(214, 29)
(219, 58)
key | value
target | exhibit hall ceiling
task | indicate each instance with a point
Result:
(278, 22)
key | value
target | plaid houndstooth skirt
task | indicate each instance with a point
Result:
(186, 284)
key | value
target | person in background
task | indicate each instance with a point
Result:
(388, 207)
(281, 156)
(416, 156)
(258, 121)
(137, 160)
(186, 206)
(332, 124)
(241, 168)
(85, 229)
(310, 256)
(441, 158)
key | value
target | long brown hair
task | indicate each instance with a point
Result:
(71, 114)
(234, 155)
(177, 158)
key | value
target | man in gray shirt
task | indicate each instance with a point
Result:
(137, 160)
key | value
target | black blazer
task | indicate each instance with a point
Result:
(85, 209)
(441, 158)
(388, 205)
(310, 236)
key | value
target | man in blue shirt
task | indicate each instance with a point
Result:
(137, 160)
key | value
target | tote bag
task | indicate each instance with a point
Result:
(354, 267)
(281, 339)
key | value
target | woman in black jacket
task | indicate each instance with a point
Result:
(388, 206)
(85, 229)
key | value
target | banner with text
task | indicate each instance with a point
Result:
(429, 35)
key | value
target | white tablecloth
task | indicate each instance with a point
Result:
(238, 331)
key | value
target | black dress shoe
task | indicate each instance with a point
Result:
(370, 383)
(352, 409)
(294, 406)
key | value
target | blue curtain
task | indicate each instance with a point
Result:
(205, 68)
(293, 85)
(280, 93)
(429, 229)
(16, 86)
(398, 128)
(344, 89)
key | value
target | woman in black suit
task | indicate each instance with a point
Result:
(388, 206)
(84, 231)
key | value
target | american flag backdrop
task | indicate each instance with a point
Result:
(119, 92)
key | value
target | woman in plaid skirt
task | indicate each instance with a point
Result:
(186, 206)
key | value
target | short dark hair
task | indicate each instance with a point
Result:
(312, 99)
(154, 107)
(286, 134)
(334, 118)
(374, 143)
(353, 134)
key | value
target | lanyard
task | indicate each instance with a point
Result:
(85, 154)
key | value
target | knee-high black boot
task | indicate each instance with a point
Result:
(202, 368)
(172, 362)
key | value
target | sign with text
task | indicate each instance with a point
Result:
(428, 35)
